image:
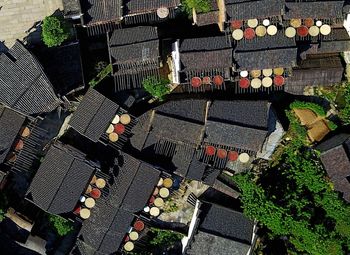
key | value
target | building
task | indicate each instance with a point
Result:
(104, 231)
(23, 84)
(335, 157)
(215, 229)
(97, 117)
(135, 55)
(61, 179)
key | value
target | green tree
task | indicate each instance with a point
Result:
(201, 6)
(60, 225)
(156, 87)
(164, 237)
(54, 31)
(293, 198)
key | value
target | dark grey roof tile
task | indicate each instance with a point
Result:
(143, 6)
(96, 11)
(215, 218)
(255, 9)
(246, 113)
(314, 9)
(206, 60)
(133, 35)
(266, 59)
(235, 136)
(205, 43)
(10, 124)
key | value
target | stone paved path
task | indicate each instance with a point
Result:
(17, 16)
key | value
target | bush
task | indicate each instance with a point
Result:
(156, 87)
(101, 75)
(164, 237)
(310, 106)
(201, 6)
(60, 225)
(54, 31)
(332, 126)
(344, 113)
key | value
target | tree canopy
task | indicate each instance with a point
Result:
(60, 225)
(54, 31)
(156, 87)
(201, 6)
(293, 198)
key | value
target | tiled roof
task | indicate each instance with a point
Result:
(337, 41)
(60, 180)
(143, 6)
(206, 59)
(314, 9)
(224, 222)
(333, 142)
(23, 84)
(96, 11)
(10, 124)
(140, 130)
(315, 72)
(205, 43)
(255, 9)
(182, 159)
(133, 35)
(93, 115)
(140, 189)
(132, 53)
(196, 170)
(208, 244)
(204, 19)
(177, 130)
(113, 214)
(277, 41)
(337, 165)
(246, 113)
(235, 136)
(266, 59)
(185, 109)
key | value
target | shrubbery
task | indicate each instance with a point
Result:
(60, 225)
(156, 87)
(201, 6)
(310, 106)
(294, 199)
(344, 113)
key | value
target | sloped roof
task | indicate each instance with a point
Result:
(333, 142)
(242, 112)
(208, 244)
(337, 165)
(60, 180)
(133, 53)
(185, 109)
(266, 59)
(235, 136)
(206, 59)
(176, 129)
(337, 41)
(97, 11)
(255, 9)
(205, 43)
(133, 35)
(277, 41)
(224, 222)
(314, 9)
(23, 84)
(10, 124)
(208, 18)
(113, 214)
(93, 115)
(143, 6)
(315, 72)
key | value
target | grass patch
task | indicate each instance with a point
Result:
(101, 75)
